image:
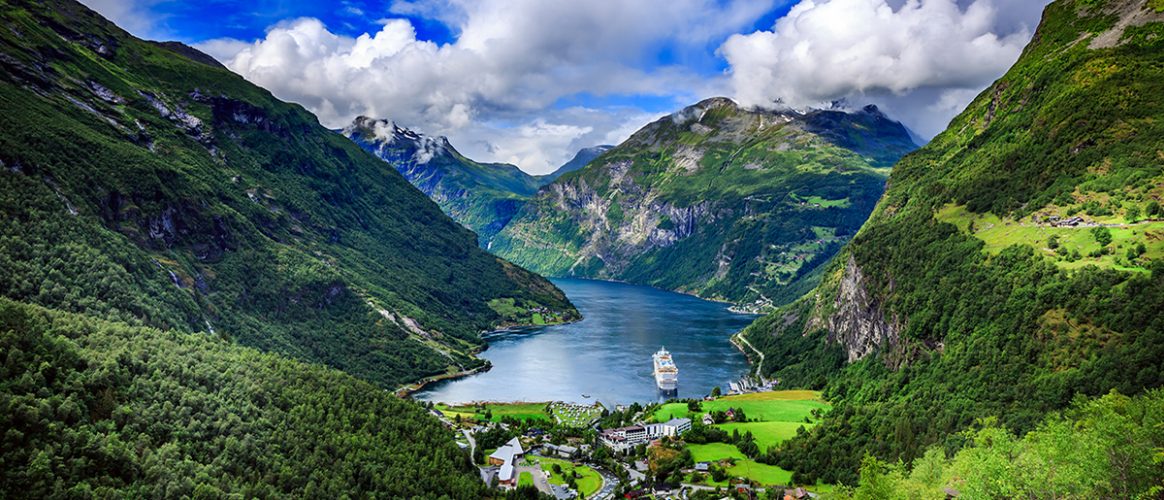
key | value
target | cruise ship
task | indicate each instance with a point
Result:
(666, 373)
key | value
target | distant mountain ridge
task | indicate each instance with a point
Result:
(724, 202)
(481, 196)
(581, 159)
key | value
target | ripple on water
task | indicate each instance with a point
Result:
(607, 355)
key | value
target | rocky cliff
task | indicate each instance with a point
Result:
(724, 202)
(481, 196)
(1015, 263)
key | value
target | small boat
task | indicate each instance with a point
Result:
(587, 396)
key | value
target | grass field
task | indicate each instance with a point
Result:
(711, 452)
(773, 406)
(761, 473)
(520, 411)
(779, 415)
(589, 482)
(998, 234)
(525, 479)
(767, 434)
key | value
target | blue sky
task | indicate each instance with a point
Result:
(531, 81)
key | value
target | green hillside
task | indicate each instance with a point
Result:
(727, 203)
(968, 294)
(92, 408)
(481, 196)
(145, 184)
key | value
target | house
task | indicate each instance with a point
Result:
(676, 427)
(745, 489)
(730, 414)
(707, 419)
(796, 494)
(507, 476)
(506, 457)
(564, 451)
(702, 467)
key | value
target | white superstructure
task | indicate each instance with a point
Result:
(666, 373)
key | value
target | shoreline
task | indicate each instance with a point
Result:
(408, 390)
(733, 307)
(736, 342)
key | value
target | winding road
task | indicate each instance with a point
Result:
(760, 365)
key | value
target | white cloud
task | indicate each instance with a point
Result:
(511, 62)
(134, 16)
(923, 59)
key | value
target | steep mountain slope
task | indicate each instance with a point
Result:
(143, 186)
(481, 196)
(727, 203)
(581, 159)
(92, 408)
(971, 293)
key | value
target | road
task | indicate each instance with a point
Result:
(539, 478)
(760, 365)
(472, 442)
(609, 484)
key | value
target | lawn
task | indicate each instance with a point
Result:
(760, 473)
(520, 411)
(998, 234)
(780, 414)
(589, 482)
(750, 469)
(767, 434)
(711, 452)
(525, 479)
(772, 406)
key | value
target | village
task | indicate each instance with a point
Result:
(712, 447)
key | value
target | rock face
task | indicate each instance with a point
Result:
(858, 323)
(727, 203)
(952, 304)
(481, 196)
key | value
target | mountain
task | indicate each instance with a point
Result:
(580, 159)
(100, 409)
(1015, 263)
(143, 186)
(481, 196)
(716, 200)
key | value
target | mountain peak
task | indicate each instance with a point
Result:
(382, 132)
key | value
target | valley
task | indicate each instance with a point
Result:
(227, 272)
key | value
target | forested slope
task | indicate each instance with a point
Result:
(144, 183)
(968, 294)
(95, 408)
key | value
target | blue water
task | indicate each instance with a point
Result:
(607, 355)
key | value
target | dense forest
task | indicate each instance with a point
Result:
(93, 408)
(146, 183)
(1110, 447)
(928, 322)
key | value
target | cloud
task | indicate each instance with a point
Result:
(923, 59)
(134, 16)
(511, 62)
